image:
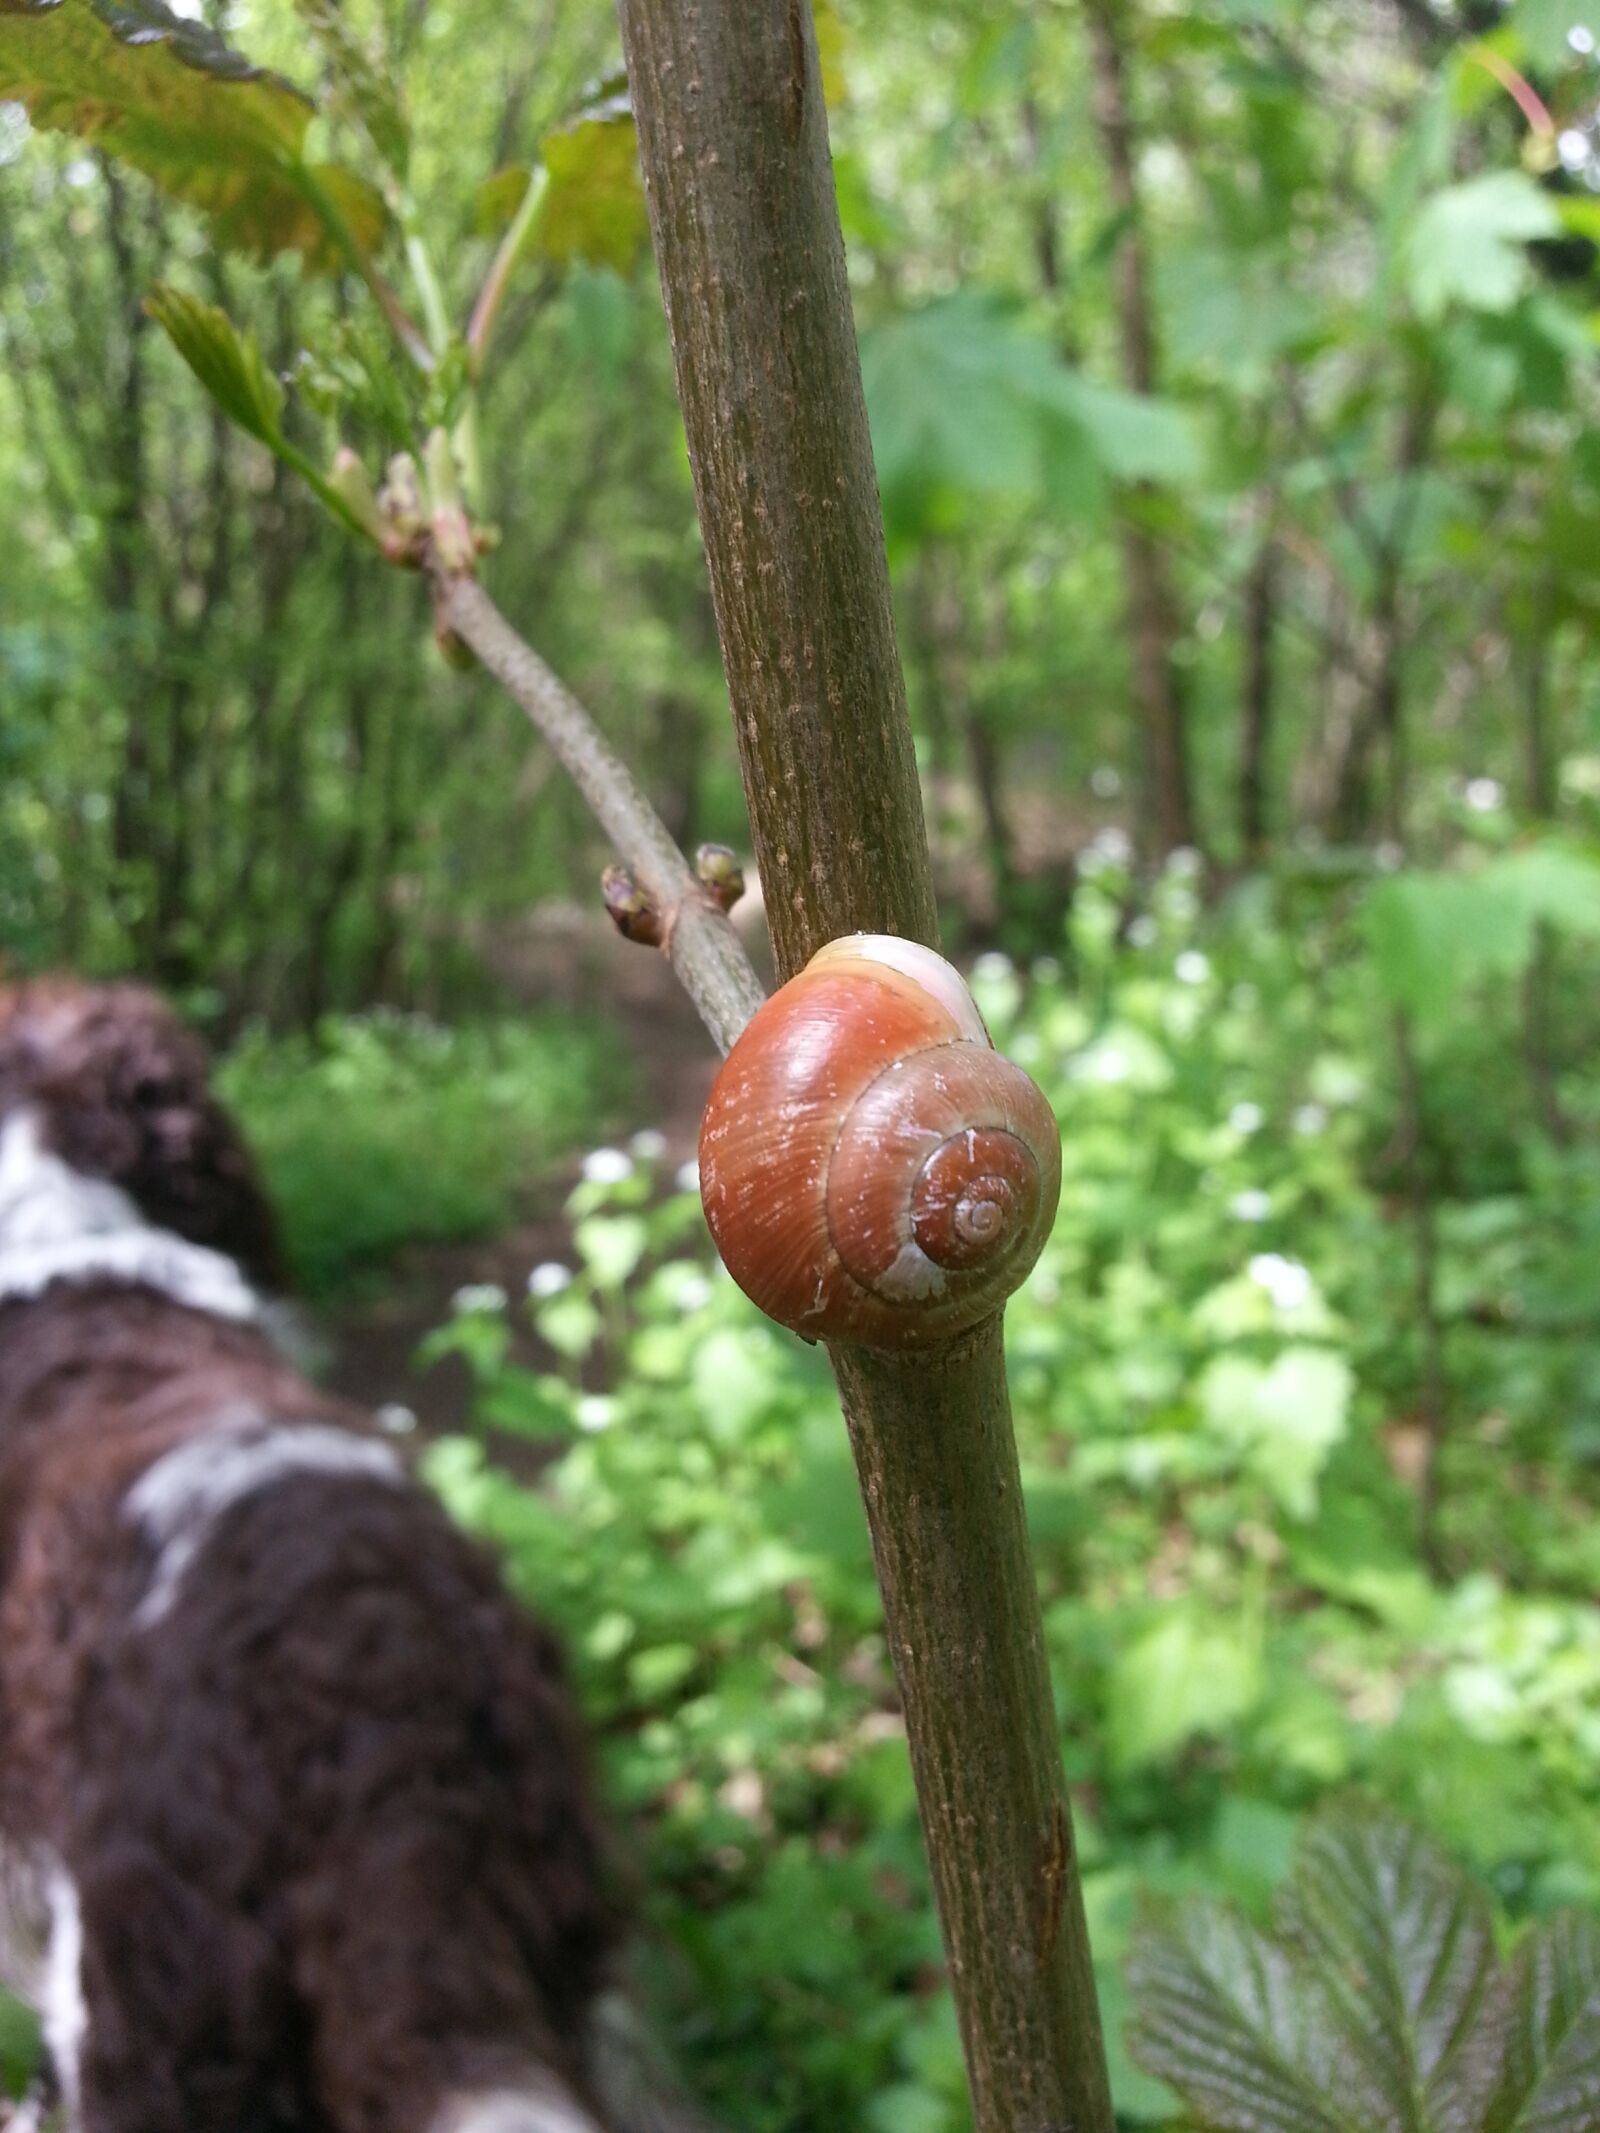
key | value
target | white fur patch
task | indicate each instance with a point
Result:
(32, 2114)
(178, 1501)
(547, 2109)
(58, 1226)
(24, 1924)
(64, 2014)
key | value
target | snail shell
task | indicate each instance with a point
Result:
(871, 1168)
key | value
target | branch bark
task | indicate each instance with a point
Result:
(771, 391)
(706, 953)
(733, 138)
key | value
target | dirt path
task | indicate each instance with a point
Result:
(371, 1346)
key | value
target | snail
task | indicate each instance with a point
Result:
(871, 1168)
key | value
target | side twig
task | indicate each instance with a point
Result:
(703, 948)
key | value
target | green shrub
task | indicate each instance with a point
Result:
(18, 2045)
(1214, 1370)
(387, 1129)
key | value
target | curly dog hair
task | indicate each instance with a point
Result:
(297, 1831)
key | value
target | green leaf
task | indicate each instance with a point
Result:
(19, 2037)
(171, 98)
(570, 1323)
(1403, 1942)
(1549, 883)
(1551, 2082)
(499, 197)
(1190, 1673)
(227, 362)
(1136, 437)
(1239, 311)
(611, 1246)
(1376, 2004)
(1230, 2019)
(1467, 242)
(595, 207)
(736, 1376)
(1283, 1417)
(1433, 934)
(967, 405)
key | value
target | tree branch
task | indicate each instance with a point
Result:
(704, 950)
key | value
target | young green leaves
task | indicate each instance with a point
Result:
(1375, 2003)
(171, 98)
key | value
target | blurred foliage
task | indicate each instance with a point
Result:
(1362, 459)
(1290, 425)
(383, 1130)
(1269, 1572)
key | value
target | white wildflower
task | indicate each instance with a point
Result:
(1113, 845)
(549, 1278)
(1143, 932)
(478, 1296)
(1192, 968)
(1484, 795)
(607, 1166)
(648, 1145)
(1286, 1281)
(1251, 1205)
(688, 1177)
(1247, 1118)
(595, 1412)
(1105, 782)
(1309, 1119)
(395, 1417)
(1573, 148)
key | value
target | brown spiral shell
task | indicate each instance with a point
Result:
(870, 1166)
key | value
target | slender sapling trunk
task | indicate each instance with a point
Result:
(733, 137)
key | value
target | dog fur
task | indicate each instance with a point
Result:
(297, 1832)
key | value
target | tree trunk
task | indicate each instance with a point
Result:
(1166, 814)
(1258, 695)
(1381, 719)
(733, 138)
(985, 757)
(133, 804)
(1530, 661)
(1433, 1386)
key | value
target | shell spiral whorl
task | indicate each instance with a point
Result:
(871, 1168)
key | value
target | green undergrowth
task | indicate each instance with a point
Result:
(18, 2045)
(386, 1130)
(1219, 1378)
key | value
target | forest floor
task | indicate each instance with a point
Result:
(371, 1340)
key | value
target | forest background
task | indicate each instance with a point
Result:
(1233, 378)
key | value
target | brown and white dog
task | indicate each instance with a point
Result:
(296, 1827)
